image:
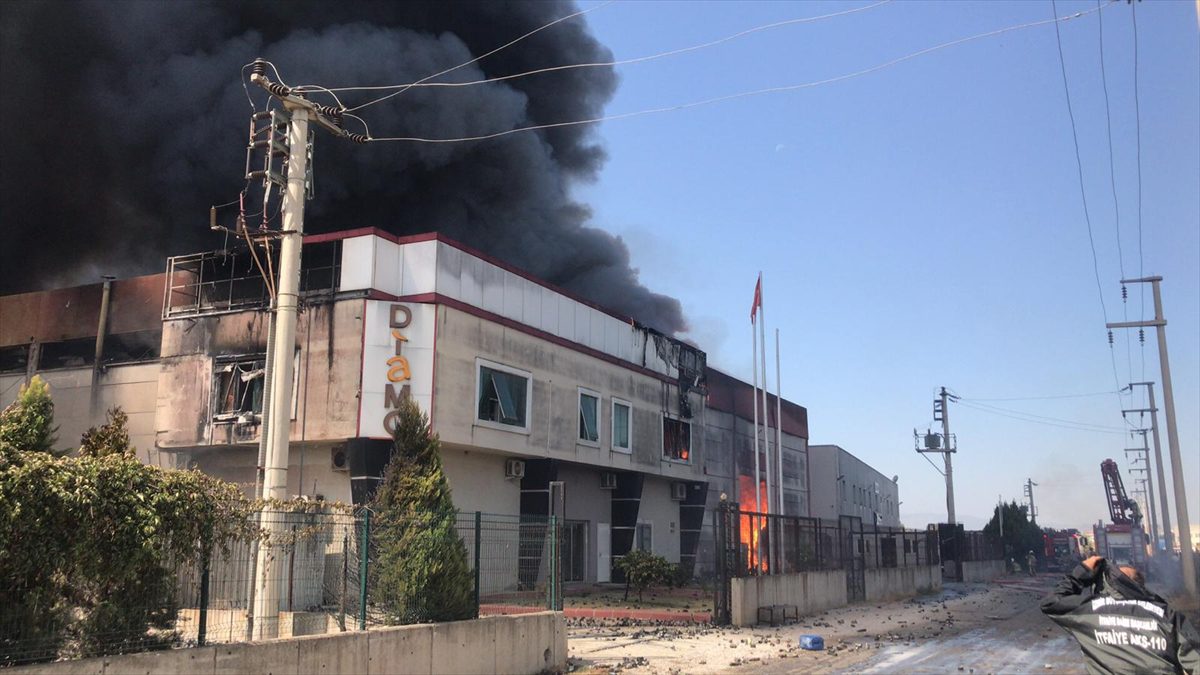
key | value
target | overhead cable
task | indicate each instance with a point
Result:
(745, 94)
(621, 62)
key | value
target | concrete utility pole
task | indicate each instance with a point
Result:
(1029, 485)
(1187, 563)
(1164, 508)
(1144, 453)
(287, 301)
(944, 447)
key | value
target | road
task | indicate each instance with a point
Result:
(968, 628)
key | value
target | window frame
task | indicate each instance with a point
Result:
(218, 365)
(480, 364)
(663, 444)
(627, 449)
(591, 393)
(648, 528)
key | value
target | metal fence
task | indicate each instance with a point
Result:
(303, 574)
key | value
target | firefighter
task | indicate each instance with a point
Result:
(1120, 626)
(1031, 563)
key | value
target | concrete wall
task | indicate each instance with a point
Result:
(77, 407)
(863, 491)
(983, 571)
(811, 592)
(662, 512)
(477, 481)
(525, 643)
(557, 373)
(892, 583)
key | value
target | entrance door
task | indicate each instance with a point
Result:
(603, 553)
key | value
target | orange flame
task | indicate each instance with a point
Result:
(751, 527)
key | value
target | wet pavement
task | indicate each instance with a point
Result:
(968, 628)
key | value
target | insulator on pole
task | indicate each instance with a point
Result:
(278, 89)
(259, 67)
(357, 138)
(1142, 335)
(1110, 338)
(1124, 293)
(212, 218)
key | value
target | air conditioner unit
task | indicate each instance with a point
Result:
(339, 460)
(514, 468)
(608, 480)
(679, 491)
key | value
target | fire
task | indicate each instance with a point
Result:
(751, 527)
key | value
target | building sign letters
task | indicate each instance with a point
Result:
(399, 372)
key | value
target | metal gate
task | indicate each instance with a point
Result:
(725, 527)
(853, 558)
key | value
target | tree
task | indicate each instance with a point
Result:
(421, 571)
(643, 569)
(1020, 535)
(28, 424)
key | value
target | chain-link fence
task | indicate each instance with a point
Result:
(301, 574)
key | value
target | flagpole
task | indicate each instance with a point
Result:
(762, 336)
(779, 424)
(754, 363)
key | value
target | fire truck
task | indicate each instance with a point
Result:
(1121, 541)
(1063, 549)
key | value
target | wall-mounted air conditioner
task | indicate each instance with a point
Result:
(338, 460)
(514, 468)
(679, 491)
(608, 480)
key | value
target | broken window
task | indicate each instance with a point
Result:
(677, 439)
(14, 359)
(589, 414)
(67, 353)
(503, 396)
(238, 388)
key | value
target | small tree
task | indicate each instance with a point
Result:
(110, 438)
(421, 573)
(643, 569)
(1020, 535)
(28, 424)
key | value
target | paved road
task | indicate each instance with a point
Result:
(1005, 633)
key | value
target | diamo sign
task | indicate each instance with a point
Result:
(397, 362)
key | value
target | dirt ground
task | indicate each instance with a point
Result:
(968, 627)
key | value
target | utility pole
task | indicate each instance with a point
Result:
(287, 300)
(944, 446)
(1144, 453)
(1029, 485)
(1187, 563)
(1164, 508)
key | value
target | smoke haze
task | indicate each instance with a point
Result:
(127, 120)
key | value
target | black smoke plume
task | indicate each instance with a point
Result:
(126, 120)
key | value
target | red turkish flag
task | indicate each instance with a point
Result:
(757, 299)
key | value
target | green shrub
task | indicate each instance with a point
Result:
(28, 424)
(643, 569)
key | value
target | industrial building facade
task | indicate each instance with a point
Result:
(543, 402)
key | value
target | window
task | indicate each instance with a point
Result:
(238, 388)
(677, 439)
(503, 396)
(622, 426)
(644, 538)
(589, 416)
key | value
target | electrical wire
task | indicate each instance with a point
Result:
(1083, 192)
(1042, 419)
(622, 62)
(1041, 398)
(405, 88)
(745, 94)
(1112, 177)
(935, 466)
(1137, 109)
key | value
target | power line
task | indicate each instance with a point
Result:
(405, 88)
(1083, 192)
(622, 62)
(1137, 108)
(1043, 398)
(1064, 424)
(1112, 178)
(745, 94)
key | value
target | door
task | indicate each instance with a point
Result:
(603, 553)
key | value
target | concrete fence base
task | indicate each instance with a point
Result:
(894, 583)
(810, 592)
(983, 571)
(526, 643)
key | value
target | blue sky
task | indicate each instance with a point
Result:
(922, 225)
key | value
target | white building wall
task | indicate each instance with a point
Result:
(662, 513)
(477, 481)
(857, 488)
